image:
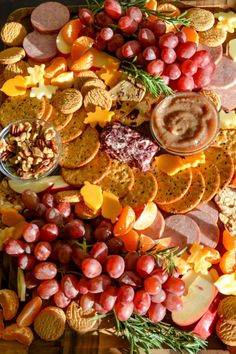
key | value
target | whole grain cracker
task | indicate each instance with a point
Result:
(93, 172)
(200, 19)
(75, 127)
(11, 55)
(91, 84)
(227, 309)
(226, 202)
(213, 37)
(21, 107)
(47, 112)
(97, 97)
(50, 323)
(221, 158)
(67, 101)
(13, 34)
(83, 77)
(70, 196)
(119, 180)
(226, 139)
(211, 177)
(226, 332)
(191, 199)
(213, 96)
(171, 188)
(59, 120)
(19, 68)
(81, 150)
(144, 190)
(78, 319)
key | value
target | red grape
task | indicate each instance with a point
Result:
(91, 267)
(150, 53)
(104, 231)
(42, 250)
(156, 67)
(88, 235)
(125, 294)
(74, 229)
(146, 37)
(115, 42)
(173, 71)
(86, 17)
(175, 286)
(78, 255)
(30, 199)
(152, 285)
(54, 216)
(47, 288)
(210, 68)
(145, 265)
(38, 222)
(69, 285)
(130, 278)
(181, 37)
(83, 285)
(168, 40)
(45, 271)
(115, 245)
(142, 302)
(159, 297)
(31, 233)
(202, 78)
(49, 232)
(87, 301)
(131, 49)
(156, 312)
(165, 78)
(135, 13)
(115, 266)
(141, 61)
(188, 67)
(26, 261)
(108, 298)
(61, 300)
(88, 31)
(99, 309)
(29, 214)
(160, 274)
(186, 50)
(168, 55)
(185, 83)
(131, 259)
(103, 20)
(113, 9)
(158, 28)
(119, 54)
(48, 200)
(14, 247)
(40, 210)
(64, 253)
(99, 284)
(99, 251)
(30, 281)
(124, 310)
(201, 58)
(99, 43)
(64, 209)
(127, 24)
(106, 34)
(173, 302)
(29, 248)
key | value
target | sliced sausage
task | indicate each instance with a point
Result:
(215, 52)
(209, 231)
(50, 17)
(155, 230)
(211, 209)
(228, 98)
(224, 76)
(182, 230)
(40, 47)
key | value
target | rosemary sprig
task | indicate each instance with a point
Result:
(154, 84)
(146, 335)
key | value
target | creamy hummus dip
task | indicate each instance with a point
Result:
(184, 123)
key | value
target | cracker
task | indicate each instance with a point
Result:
(81, 150)
(19, 68)
(21, 107)
(221, 158)
(67, 101)
(11, 55)
(83, 77)
(213, 37)
(50, 323)
(59, 120)
(226, 139)
(13, 34)
(191, 199)
(97, 97)
(90, 84)
(119, 180)
(226, 332)
(213, 96)
(201, 19)
(92, 172)
(211, 177)
(47, 112)
(227, 309)
(75, 127)
(70, 196)
(78, 319)
(84, 212)
(144, 190)
(171, 188)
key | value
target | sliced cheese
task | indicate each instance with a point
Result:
(92, 196)
(111, 207)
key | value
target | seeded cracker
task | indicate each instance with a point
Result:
(83, 77)
(226, 139)
(91, 84)
(213, 37)
(11, 55)
(211, 177)
(81, 150)
(47, 112)
(92, 172)
(19, 68)
(227, 309)
(67, 101)
(226, 332)
(144, 190)
(13, 34)
(97, 97)
(75, 127)
(60, 120)
(119, 180)
(201, 19)
(79, 320)
(191, 199)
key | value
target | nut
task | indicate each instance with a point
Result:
(3, 146)
(49, 134)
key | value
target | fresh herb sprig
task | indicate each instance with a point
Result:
(154, 84)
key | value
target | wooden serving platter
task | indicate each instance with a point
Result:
(103, 340)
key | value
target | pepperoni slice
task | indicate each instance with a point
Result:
(40, 47)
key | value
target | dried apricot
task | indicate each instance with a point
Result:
(23, 335)
(10, 216)
(229, 242)
(29, 312)
(9, 302)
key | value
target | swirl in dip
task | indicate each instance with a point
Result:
(184, 123)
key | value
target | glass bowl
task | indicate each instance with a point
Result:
(23, 137)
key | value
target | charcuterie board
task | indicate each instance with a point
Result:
(102, 340)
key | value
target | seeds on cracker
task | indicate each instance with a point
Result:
(97, 97)
(75, 127)
(11, 55)
(211, 177)
(226, 140)
(213, 37)
(227, 309)
(19, 68)
(13, 34)
(60, 120)
(200, 19)
(67, 101)
(83, 77)
(226, 201)
(226, 332)
(213, 96)
(81, 150)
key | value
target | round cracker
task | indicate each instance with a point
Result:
(226, 140)
(213, 96)
(79, 320)
(213, 37)
(226, 332)
(67, 101)
(50, 323)
(82, 77)
(92, 172)
(144, 190)
(11, 55)
(97, 97)
(211, 177)
(191, 199)
(227, 309)
(47, 112)
(91, 84)
(75, 127)
(13, 33)
(60, 120)
(201, 19)
(81, 150)
(171, 188)
(217, 156)
(119, 180)
(19, 68)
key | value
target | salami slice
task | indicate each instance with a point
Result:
(40, 47)
(224, 76)
(182, 230)
(50, 17)
(215, 52)
(155, 230)
(211, 209)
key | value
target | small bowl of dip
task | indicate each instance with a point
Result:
(184, 123)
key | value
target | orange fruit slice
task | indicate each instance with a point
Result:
(145, 243)
(229, 242)
(151, 5)
(125, 222)
(83, 63)
(191, 34)
(71, 30)
(80, 46)
(131, 240)
(169, 10)
(228, 262)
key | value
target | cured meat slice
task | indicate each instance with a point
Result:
(209, 208)
(224, 76)
(155, 230)
(50, 17)
(215, 52)
(182, 230)
(228, 98)
(209, 231)
(40, 47)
